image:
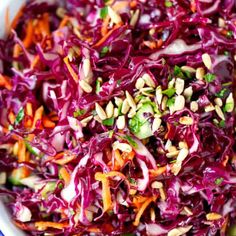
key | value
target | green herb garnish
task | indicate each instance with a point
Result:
(170, 102)
(30, 149)
(98, 86)
(178, 72)
(78, 112)
(209, 77)
(168, 4)
(222, 124)
(229, 34)
(104, 12)
(20, 116)
(218, 181)
(221, 93)
(104, 51)
(108, 122)
(169, 92)
(131, 141)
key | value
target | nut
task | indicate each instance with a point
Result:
(120, 122)
(157, 184)
(188, 69)
(115, 17)
(194, 106)
(148, 80)
(213, 216)
(186, 120)
(124, 147)
(218, 101)
(85, 86)
(101, 113)
(207, 60)
(130, 100)
(219, 112)
(200, 72)
(125, 106)
(139, 83)
(179, 86)
(179, 103)
(156, 124)
(109, 109)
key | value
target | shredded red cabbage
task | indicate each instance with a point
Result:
(118, 118)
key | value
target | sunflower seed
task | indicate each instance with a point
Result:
(152, 215)
(85, 86)
(172, 148)
(3, 178)
(115, 17)
(221, 22)
(120, 122)
(124, 147)
(179, 86)
(219, 112)
(101, 113)
(186, 120)
(229, 106)
(148, 80)
(163, 103)
(207, 60)
(168, 144)
(183, 153)
(131, 113)
(209, 108)
(125, 107)
(116, 112)
(109, 109)
(85, 121)
(159, 95)
(86, 67)
(213, 216)
(175, 169)
(134, 18)
(139, 83)
(188, 92)
(171, 83)
(194, 106)
(218, 101)
(118, 101)
(187, 211)
(97, 118)
(156, 124)
(183, 145)
(188, 69)
(200, 72)
(172, 154)
(130, 100)
(15, 149)
(179, 103)
(179, 231)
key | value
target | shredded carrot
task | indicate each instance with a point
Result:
(70, 69)
(159, 43)
(224, 226)
(20, 173)
(118, 158)
(158, 171)
(43, 225)
(65, 175)
(106, 193)
(48, 123)
(11, 117)
(5, 82)
(27, 41)
(150, 44)
(94, 230)
(193, 6)
(105, 24)
(35, 62)
(224, 163)
(64, 159)
(16, 50)
(119, 6)
(64, 21)
(44, 25)
(168, 131)
(142, 209)
(38, 115)
(128, 155)
(29, 109)
(133, 4)
(105, 37)
(7, 21)
(21, 151)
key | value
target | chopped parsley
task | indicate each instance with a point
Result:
(209, 77)
(218, 181)
(104, 12)
(170, 102)
(169, 92)
(20, 116)
(222, 124)
(104, 51)
(178, 72)
(135, 124)
(98, 86)
(78, 112)
(221, 93)
(130, 140)
(108, 122)
(229, 34)
(168, 4)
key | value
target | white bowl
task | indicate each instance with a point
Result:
(8, 10)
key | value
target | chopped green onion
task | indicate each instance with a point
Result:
(221, 93)
(131, 141)
(30, 149)
(168, 4)
(229, 34)
(104, 51)
(222, 124)
(178, 72)
(98, 86)
(170, 102)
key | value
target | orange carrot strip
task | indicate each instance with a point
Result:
(43, 225)
(158, 171)
(133, 4)
(104, 38)
(70, 69)
(38, 115)
(142, 209)
(118, 158)
(5, 82)
(35, 62)
(11, 117)
(94, 230)
(27, 41)
(106, 193)
(65, 175)
(47, 122)
(64, 21)
(16, 50)
(29, 109)
(64, 160)
(105, 24)
(21, 151)
(44, 25)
